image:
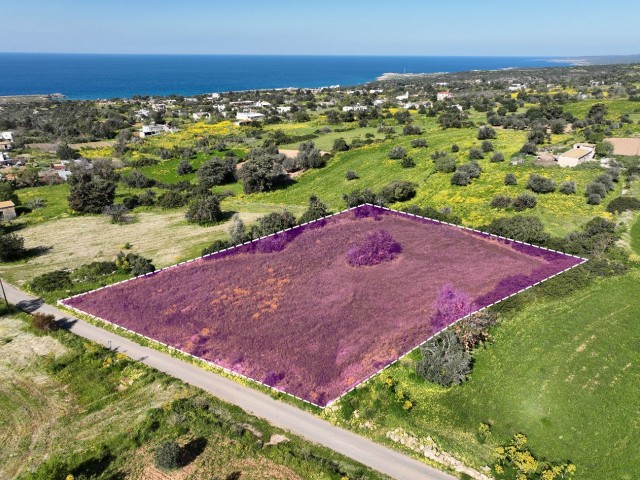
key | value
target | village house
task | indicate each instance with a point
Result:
(441, 96)
(153, 129)
(262, 104)
(8, 136)
(516, 87)
(248, 116)
(142, 113)
(580, 153)
(159, 107)
(404, 96)
(355, 108)
(283, 109)
(7, 210)
(201, 115)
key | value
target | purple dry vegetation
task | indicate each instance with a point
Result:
(376, 248)
(290, 311)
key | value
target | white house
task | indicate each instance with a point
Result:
(142, 113)
(516, 87)
(8, 136)
(404, 96)
(249, 116)
(214, 96)
(221, 108)
(282, 109)
(262, 104)
(580, 153)
(373, 91)
(200, 115)
(355, 108)
(379, 101)
(151, 130)
(444, 95)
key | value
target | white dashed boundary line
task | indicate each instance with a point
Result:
(229, 249)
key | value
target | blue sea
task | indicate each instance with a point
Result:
(89, 76)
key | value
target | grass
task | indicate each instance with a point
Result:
(563, 372)
(635, 237)
(615, 107)
(73, 407)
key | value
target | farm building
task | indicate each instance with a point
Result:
(151, 130)
(443, 96)
(580, 153)
(7, 210)
(249, 116)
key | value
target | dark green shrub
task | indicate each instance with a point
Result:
(460, 178)
(398, 191)
(397, 153)
(217, 171)
(351, 175)
(272, 223)
(418, 143)
(11, 247)
(497, 157)
(623, 204)
(486, 133)
(407, 162)
(526, 229)
(594, 199)
(539, 184)
(568, 187)
(184, 168)
(445, 164)
(510, 179)
(172, 199)
(500, 202)
(215, 247)
(204, 210)
(476, 154)
(167, 455)
(487, 146)
(444, 360)
(52, 281)
(524, 200)
(359, 197)
(316, 209)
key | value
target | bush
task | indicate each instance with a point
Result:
(510, 179)
(260, 174)
(594, 199)
(525, 229)
(376, 248)
(445, 164)
(460, 178)
(524, 200)
(52, 281)
(340, 145)
(539, 184)
(172, 199)
(351, 175)
(309, 156)
(487, 146)
(44, 322)
(444, 360)
(204, 210)
(184, 168)
(411, 130)
(272, 223)
(216, 246)
(623, 204)
(217, 171)
(407, 162)
(237, 231)
(455, 148)
(167, 454)
(529, 148)
(472, 168)
(596, 188)
(117, 214)
(65, 152)
(397, 152)
(137, 179)
(497, 157)
(474, 330)
(359, 197)
(486, 133)
(398, 191)
(136, 264)
(500, 202)
(316, 209)
(11, 247)
(418, 143)
(476, 154)
(568, 187)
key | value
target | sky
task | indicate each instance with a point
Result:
(328, 27)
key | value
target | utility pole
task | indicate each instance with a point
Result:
(4, 294)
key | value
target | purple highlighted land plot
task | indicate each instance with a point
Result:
(318, 309)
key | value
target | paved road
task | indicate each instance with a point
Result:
(280, 414)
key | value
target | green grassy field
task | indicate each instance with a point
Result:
(564, 372)
(615, 107)
(635, 237)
